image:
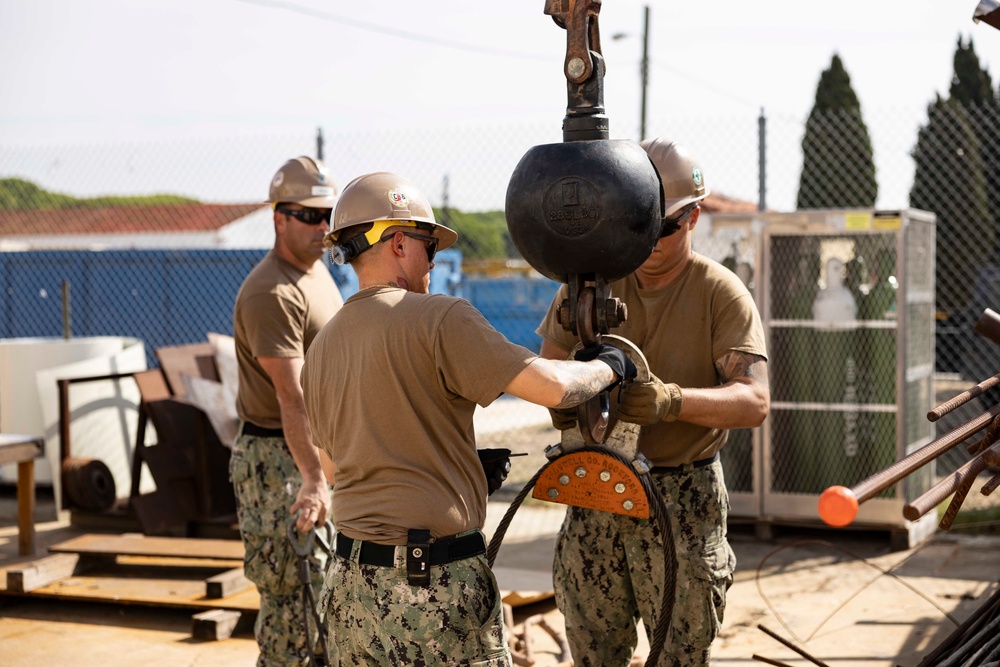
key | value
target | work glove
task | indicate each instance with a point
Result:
(647, 403)
(496, 465)
(613, 357)
(563, 418)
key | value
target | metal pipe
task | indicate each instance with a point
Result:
(762, 162)
(645, 73)
(67, 319)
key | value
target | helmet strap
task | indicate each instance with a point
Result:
(344, 253)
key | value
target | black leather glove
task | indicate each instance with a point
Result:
(613, 357)
(496, 465)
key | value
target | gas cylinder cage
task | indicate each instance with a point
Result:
(846, 297)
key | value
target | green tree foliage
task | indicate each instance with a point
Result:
(970, 83)
(972, 87)
(949, 181)
(838, 170)
(17, 194)
(481, 235)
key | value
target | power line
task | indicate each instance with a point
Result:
(401, 34)
(700, 82)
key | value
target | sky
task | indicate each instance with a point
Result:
(115, 71)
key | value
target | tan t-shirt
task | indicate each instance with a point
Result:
(391, 384)
(279, 310)
(682, 329)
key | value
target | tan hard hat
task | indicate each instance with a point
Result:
(680, 174)
(305, 181)
(388, 197)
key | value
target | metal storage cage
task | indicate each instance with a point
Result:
(847, 301)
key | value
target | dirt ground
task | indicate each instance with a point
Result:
(843, 597)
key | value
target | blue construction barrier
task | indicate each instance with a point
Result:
(175, 297)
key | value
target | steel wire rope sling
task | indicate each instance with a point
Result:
(558, 458)
(303, 544)
(587, 212)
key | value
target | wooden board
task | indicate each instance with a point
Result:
(141, 545)
(521, 587)
(180, 587)
(195, 359)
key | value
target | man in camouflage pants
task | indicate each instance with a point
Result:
(698, 328)
(276, 470)
(391, 386)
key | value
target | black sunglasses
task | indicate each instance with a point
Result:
(309, 216)
(671, 225)
(432, 242)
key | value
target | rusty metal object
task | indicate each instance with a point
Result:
(88, 484)
(990, 486)
(963, 398)
(988, 326)
(842, 503)
(595, 481)
(991, 435)
(885, 478)
(579, 18)
(961, 493)
(779, 638)
(928, 501)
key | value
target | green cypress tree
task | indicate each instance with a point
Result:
(970, 83)
(949, 181)
(838, 169)
(972, 87)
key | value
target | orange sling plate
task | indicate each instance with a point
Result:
(595, 481)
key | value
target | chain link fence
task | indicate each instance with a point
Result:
(191, 215)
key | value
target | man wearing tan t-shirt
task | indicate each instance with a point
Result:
(391, 385)
(276, 470)
(700, 331)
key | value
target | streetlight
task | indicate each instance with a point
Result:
(643, 70)
(989, 11)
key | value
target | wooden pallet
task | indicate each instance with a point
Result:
(199, 574)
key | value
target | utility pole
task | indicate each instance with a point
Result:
(762, 161)
(319, 143)
(645, 72)
(445, 213)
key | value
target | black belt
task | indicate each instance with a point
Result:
(261, 432)
(444, 550)
(687, 466)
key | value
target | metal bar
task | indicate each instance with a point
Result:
(963, 398)
(769, 661)
(929, 500)
(67, 319)
(988, 326)
(883, 479)
(645, 72)
(762, 161)
(961, 493)
(792, 646)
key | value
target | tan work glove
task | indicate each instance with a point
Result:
(563, 418)
(647, 403)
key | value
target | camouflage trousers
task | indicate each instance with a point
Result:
(379, 619)
(266, 480)
(609, 570)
